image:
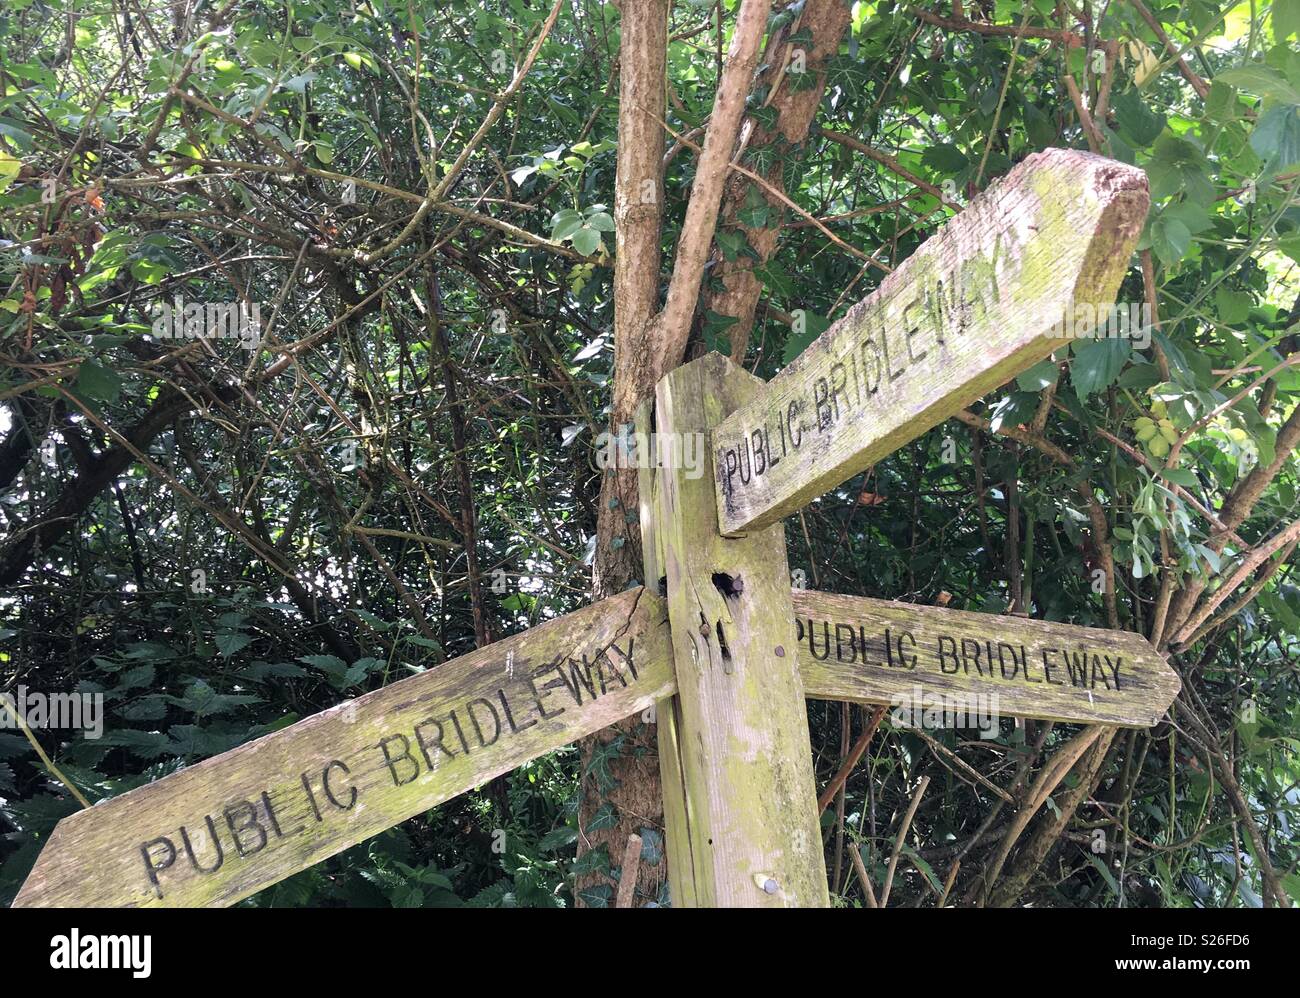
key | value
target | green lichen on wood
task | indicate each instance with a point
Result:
(741, 729)
(879, 651)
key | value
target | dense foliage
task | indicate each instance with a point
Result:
(223, 540)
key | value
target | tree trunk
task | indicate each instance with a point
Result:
(627, 749)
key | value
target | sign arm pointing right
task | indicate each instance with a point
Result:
(995, 291)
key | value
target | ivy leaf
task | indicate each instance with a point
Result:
(593, 861)
(605, 817)
(598, 765)
(652, 846)
(776, 280)
(755, 212)
(732, 244)
(596, 897)
(715, 330)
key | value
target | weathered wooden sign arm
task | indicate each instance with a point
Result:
(984, 665)
(976, 304)
(227, 827)
(234, 824)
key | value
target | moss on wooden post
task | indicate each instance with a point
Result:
(740, 723)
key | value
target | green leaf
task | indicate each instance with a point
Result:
(231, 642)
(558, 838)
(1138, 124)
(1097, 365)
(1179, 165)
(945, 158)
(565, 223)
(586, 240)
(1277, 136)
(605, 817)
(593, 861)
(813, 325)
(1015, 409)
(1256, 78)
(1170, 238)
(1040, 376)
(9, 169)
(1286, 19)
(775, 279)
(1232, 306)
(1040, 128)
(1100, 865)
(732, 243)
(98, 382)
(1180, 476)
(598, 896)
(652, 846)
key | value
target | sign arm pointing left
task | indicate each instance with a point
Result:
(216, 832)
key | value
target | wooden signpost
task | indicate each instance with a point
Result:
(731, 653)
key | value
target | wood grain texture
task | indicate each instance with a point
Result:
(877, 651)
(263, 811)
(740, 721)
(975, 305)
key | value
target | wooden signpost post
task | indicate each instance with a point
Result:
(731, 653)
